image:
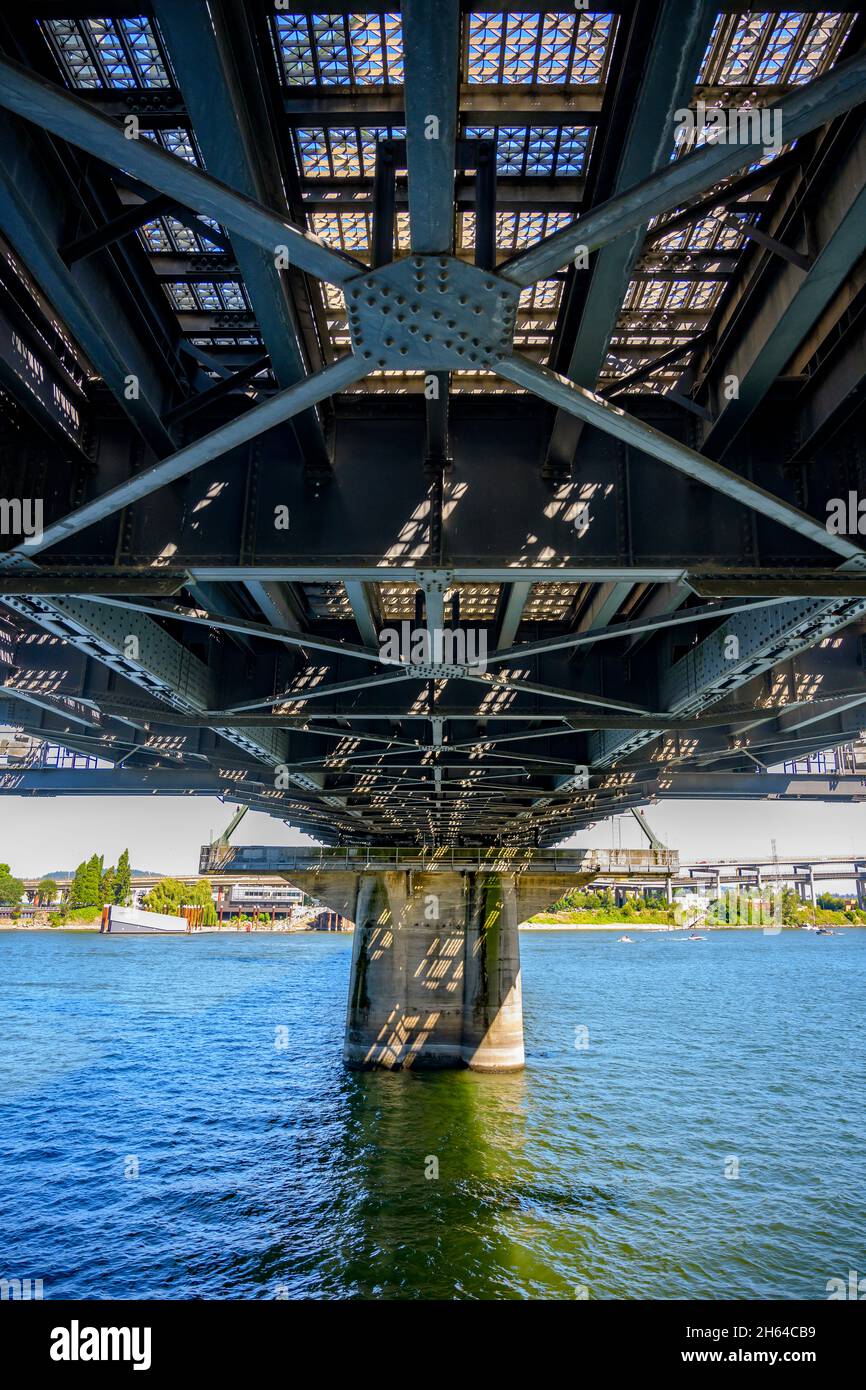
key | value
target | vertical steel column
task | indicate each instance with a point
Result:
(431, 38)
(485, 205)
(384, 204)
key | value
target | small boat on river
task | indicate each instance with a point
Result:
(134, 921)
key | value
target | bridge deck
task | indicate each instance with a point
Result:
(267, 859)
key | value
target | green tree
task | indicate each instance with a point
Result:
(107, 884)
(11, 889)
(86, 883)
(170, 895)
(76, 890)
(122, 880)
(831, 903)
(164, 896)
(94, 881)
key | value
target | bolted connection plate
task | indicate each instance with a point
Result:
(431, 313)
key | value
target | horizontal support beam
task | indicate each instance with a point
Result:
(479, 105)
(111, 586)
(675, 784)
(563, 194)
(814, 584)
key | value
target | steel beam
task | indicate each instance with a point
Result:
(676, 784)
(786, 585)
(835, 394)
(275, 411)
(301, 693)
(806, 109)
(35, 379)
(226, 386)
(515, 600)
(214, 61)
(431, 40)
(360, 596)
(59, 586)
(276, 602)
(502, 681)
(247, 627)
(717, 665)
(47, 105)
(779, 311)
(115, 229)
(641, 374)
(603, 631)
(649, 141)
(597, 411)
(32, 218)
(384, 203)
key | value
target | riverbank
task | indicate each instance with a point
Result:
(199, 931)
(600, 926)
(660, 928)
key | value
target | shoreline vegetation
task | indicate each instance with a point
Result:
(581, 909)
(531, 926)
(576, 910)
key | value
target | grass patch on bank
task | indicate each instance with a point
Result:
(580, 908)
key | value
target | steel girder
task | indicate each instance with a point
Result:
(431, 36)
(46, 105)
(647, 147)
(384, 317)
(277, 410)
(810, 107)
(346, 535)
(217, 73)
(719, 664)
(674, 785)
(31, 219)
(155, 661)
(479, 322)
(41, 396)
(601, 413)
(777, 314)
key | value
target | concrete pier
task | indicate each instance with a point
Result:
(435, 978)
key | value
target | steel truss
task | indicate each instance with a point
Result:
(427, 312)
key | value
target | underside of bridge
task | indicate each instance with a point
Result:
(440, 425)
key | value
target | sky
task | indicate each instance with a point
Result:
(165, 834)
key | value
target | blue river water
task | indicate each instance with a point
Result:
(176, 1122)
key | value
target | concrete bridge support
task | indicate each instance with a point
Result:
(435, 976)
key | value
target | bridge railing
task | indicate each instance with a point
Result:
(366, 858)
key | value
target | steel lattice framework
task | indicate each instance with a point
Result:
(316, 324)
